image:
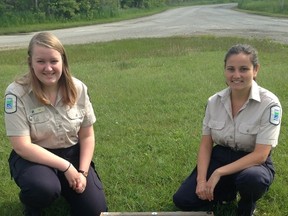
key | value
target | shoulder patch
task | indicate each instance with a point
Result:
(275, 115)
(10, 105)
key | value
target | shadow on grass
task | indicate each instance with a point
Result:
(226, 210)
(11, 208)
(15, 208)
(59, 208)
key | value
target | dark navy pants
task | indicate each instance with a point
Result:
(40, 185)
(250, 183)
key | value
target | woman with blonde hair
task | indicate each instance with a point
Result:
(49, 121)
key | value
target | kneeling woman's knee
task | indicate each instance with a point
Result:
(254, 179)
(180, 200)
(40, 192)
(255, 175)
(177, 200)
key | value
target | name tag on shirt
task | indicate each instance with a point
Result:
(37, 110)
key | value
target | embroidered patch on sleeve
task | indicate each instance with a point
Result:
(275, 115)
(10, 103)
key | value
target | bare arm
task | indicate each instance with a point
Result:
(204, 156)
(257, 157)
(23, 146)
(87, 144)
(37, 154)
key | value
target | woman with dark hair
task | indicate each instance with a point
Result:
(49, 121)
(240, 128)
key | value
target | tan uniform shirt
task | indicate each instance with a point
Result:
(48, 126)
(258, 121)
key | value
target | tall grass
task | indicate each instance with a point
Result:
(268, 6)
(149, 96)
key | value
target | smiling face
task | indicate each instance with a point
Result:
(240, 72)
(47, 65)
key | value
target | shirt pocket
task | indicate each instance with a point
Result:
(248, 129)
(216, 125)
(217, 130)
(40, 125)
(38, 118)
(75, 117)
(247, 136)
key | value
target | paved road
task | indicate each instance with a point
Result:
(220, 20)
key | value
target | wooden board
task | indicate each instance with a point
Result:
(176, 213)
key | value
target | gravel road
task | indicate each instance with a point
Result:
(219, 20)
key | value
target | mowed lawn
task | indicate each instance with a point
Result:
(149, 96)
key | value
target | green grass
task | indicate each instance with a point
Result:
(269, 6)
(272, 8)
(149, 97)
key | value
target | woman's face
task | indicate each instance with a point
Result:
(239, 72)
(47, 65)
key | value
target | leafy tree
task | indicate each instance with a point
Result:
(66, 9)
(281, 4)
(141, 3)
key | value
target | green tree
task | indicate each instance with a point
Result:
(281, 4)
(66, 9)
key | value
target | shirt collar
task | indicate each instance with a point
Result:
(254, 92)
(30, 89)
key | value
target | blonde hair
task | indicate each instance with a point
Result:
(66, 85)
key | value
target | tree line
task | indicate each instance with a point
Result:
(17, 12)
(26, 12)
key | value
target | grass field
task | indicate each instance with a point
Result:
(149, 96)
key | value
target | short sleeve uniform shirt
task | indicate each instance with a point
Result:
(48, 126)
(257, 122)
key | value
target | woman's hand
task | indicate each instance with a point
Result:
(75, 179)
(205, 190)
(82, 181)
(201, 190)
(211, 184)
